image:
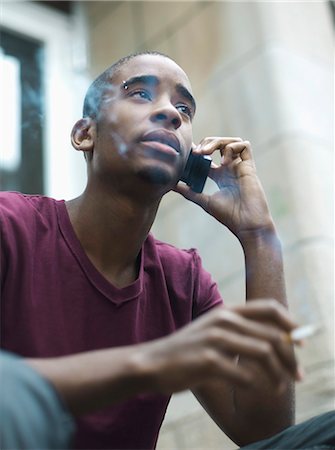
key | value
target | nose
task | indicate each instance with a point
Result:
(168, 115)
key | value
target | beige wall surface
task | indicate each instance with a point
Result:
(263, 71)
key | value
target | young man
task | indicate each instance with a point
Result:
(104, 311)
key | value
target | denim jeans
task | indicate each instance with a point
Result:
(32, 415)
(317, 433)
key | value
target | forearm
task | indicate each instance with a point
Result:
(264, 279)
(92, 380)
(264, 265)
(258, 411)
(254, 419)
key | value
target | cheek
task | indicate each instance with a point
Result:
(188, 136)
(114, 135)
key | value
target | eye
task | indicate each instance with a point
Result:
(184, 109)
(141, 93)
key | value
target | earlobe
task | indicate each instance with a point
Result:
(82, 135)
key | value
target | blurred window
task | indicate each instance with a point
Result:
(21, 112)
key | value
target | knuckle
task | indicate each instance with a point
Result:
(219, 315)
(213, 336)
(274, 307)
(273, 304)
(226, 318)
(204, 141)
(210, 358)
(265, 350)
(277, 339)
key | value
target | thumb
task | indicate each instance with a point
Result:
(187, 193)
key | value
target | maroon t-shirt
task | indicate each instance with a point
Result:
(55, 302)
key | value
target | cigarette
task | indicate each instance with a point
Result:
(300, 333)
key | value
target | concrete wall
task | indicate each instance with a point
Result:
(262, 71)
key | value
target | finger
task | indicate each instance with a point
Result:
(274, 313)
(238, 149)
(268, 334)
(224, 139)
(232, 151)
(278, 340)
(258, 351)
(210, 144)
(217, 364)
(234, 373)
(286, 353)
(195, 197)
(227, 155)
(214, 165)
(267, 310)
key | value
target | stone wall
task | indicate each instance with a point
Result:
(262, 71)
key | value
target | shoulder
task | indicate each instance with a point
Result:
(22, 214)
(179, 265)
(14, 204)
(185, 275)
(170, 255)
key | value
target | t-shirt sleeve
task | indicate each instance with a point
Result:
(4, 225)
(206, 292)
(190, 288)
(16, 232)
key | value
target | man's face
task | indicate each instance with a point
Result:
(145, 123)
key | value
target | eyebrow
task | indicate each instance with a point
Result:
(186, 94)
(152, 80)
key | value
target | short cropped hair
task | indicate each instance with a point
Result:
(94, 94)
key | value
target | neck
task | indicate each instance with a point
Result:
(112, 229)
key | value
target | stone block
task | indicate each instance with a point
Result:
(305, 27)
(296, 172)
(275, 92)
(112, 35)
(158, 17)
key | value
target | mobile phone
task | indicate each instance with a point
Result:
(196, 171)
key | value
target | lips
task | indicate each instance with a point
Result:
(164, 137)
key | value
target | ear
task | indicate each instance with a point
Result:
(83, 135)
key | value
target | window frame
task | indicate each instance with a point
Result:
(64, 84)
(29, 174)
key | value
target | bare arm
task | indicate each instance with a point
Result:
(199, 352)
(264, 409)
(92, 380)
(240, 205)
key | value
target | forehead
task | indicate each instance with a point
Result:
(163, 68)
